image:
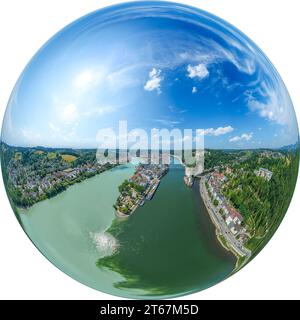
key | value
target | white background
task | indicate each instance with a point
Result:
(26, 25)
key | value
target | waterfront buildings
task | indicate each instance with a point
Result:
(140, 187)
(231, 216)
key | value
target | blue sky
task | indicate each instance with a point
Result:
(156, 65)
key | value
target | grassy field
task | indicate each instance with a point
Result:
(39, 152)
(51, 155)
(68, 157)
(18, 155)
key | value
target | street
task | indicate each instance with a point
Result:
(220, 223)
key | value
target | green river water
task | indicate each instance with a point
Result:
(166, 248)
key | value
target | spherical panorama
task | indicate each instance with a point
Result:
(149, 150)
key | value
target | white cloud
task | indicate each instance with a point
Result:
(30, 136)
(194, 90)
(84, 79)
(215, 132)
(69, 113)
(244, 136)
(177, 110)
(209, 51)
(167, 123)
(200, 71)
(186, 138)
(53, 127)
(244, 62)
(154, 72)
(274, 104)
(154, 80)
(265, 94)
(125, 76)
(66, 133)
(100, 111)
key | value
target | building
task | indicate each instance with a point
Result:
(219, 176)
(70, 173)
(228, 170)
(233, 219)
(264, 173)
(235, 215)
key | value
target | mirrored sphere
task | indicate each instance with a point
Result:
(150, 150)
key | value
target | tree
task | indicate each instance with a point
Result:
(215, 202)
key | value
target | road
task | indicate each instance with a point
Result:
(219, 222)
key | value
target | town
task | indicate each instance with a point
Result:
(243, 190)
(227, 219)
(140, 187)
(36, 174)
(223, 209)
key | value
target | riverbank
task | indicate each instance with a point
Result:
(189, 181)
(66, 228)
(139, 188)
(223, 234)
(56, 190)
(169, 245)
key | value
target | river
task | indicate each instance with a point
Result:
(62, 227)
(166, 248)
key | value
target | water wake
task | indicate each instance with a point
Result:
(105, 243)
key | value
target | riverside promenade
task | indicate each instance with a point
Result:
(220, 224)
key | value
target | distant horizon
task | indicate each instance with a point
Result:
(149, 149)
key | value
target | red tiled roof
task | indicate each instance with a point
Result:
(218, 175)
(234, 213)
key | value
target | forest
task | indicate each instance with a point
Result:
(262, 203)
